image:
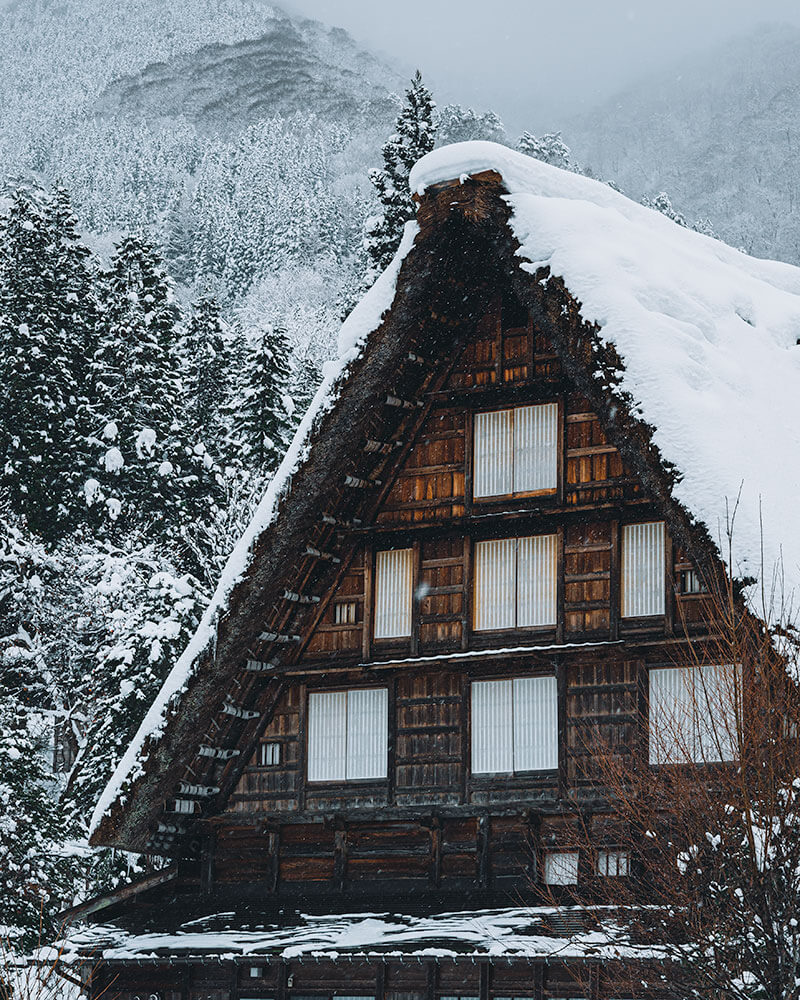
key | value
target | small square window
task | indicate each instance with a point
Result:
(270, 754)
(611, 864)
(344, 613)
(561, 868)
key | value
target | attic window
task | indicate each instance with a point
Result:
(689, 582)
(515, 583)
(516, 451)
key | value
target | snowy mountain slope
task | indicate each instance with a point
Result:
(295, 65)
(719, 132)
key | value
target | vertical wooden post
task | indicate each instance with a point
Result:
(538, 981)
(302, 748)
(283, 981)
(234, 995)
(615, 581)
(561, 696)
(366, 633)
(483, 990)
(432, 980)
(561, 465)
(416, 558)
(669, 584)
(469, 439)
(380, 981)
(560, 583)
(466, 609)
(483, 850)
(391, 747)
(207, 862)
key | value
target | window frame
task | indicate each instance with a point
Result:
(413, 558)
(694, 738)
(516, 627)
(484, 776)
(627, 620)
(339, 782)
(559, 852)
(554, 491)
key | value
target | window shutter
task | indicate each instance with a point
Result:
(393, 572)
(672, 739)
(535, 724)
(536, 580)
(716, 697)
(561, 868)
(535, 448)
(492, 741)
(643, 569)
(367, 732)
(327, 736)
(494, 457)
(495, 584)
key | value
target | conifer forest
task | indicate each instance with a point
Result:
(193, 197)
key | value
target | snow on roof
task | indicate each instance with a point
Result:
(363, 320)
(709, 340)
(708, 337)
(521, 932)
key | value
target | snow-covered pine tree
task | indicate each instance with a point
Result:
(35, 876)
(261, 409)
(413, 136)
(137, 392)
(303, 385)
(38, 365)
(550, 148)
(207, 368)
(455, 123)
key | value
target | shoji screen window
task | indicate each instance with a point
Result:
(643, 584)
(560, 868)
(693, 714)
(393, 586)
(514, 725)
(515, 451)
(515, 583)
(348, 734)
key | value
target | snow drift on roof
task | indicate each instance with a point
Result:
(709, 341)
(520, 932)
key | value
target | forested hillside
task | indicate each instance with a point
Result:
(719, 132)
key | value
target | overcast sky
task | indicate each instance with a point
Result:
(535, 61)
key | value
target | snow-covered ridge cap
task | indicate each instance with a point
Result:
(363, 320)
(708, 336)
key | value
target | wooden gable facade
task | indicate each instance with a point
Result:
(328, 759)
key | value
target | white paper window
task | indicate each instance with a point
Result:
(514, 725)
(643, 569)
(344, 613)
(613, 864)
(561, 868)
(270, 754)
(393, 585)
(693, 714)
(516, 450)
(348, 734)
(515, 582)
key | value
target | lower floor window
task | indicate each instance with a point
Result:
(561, 868)
(693, 714)
(613, 863)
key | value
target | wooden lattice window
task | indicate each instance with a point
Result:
(560, 868)
(514, 725)
(694, 714)
(515, 583)
(515, 451)
(393, 586)
(643, 581)
(348, 734)
(613, 864)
